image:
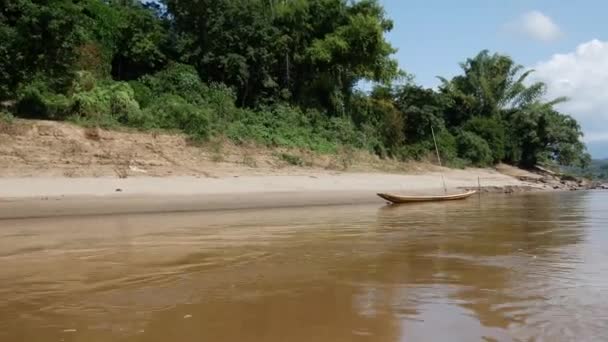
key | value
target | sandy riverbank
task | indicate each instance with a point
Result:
(56, 168)
(39, 197)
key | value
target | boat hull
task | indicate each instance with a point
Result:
(397, 199)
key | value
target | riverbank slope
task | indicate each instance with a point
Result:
(51, 168)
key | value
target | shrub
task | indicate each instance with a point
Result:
(6, 120)
(343, 131)
(6, 117)
(291, 159)
(35, 101)
(221, 99)
(412, 151)
(177, 79)
(492, 130)
(174, 112)
(393, 126)
(372, 140)
(142, 93)
(83, 81)
(446, 143)
(474, 148)
(458, 163)
(217, 100)
(113, 102)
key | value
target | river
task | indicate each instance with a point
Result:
(529, 267)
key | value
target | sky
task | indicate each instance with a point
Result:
(566, 42)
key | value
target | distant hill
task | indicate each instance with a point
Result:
(598, 170)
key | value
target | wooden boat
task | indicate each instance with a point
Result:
(410, 199)
(397, 199)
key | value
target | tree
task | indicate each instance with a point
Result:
(143, 42)
(229, 41)
(39, 40)
(489, 86)
(491, 99)
(422, 109)
(541, 134)
(310, 52)
(493, 131)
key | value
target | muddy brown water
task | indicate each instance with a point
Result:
(530, 267)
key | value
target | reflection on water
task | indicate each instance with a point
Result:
(496, 268)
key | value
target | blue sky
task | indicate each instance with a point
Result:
(566, 41)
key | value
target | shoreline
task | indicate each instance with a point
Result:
(53, 197)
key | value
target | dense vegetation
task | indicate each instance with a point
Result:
(597, 170)
(278, 73)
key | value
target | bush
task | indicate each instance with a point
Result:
(343, 130)
(474, 148)
(492, 130)
(446, 144)
(142, 93)
(6, 117)
(291, 159)
(217, 100)
(35, 101)
(283, 125)
(393, 128)
(106, 104)
(174, 112)
(177, 79)
(412, 151)
(448, 148)
(221, 99)
(372, 140)
(83, 81)
(458, 163)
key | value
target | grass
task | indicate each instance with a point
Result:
(291, 159)
(6, 121)
(216, 147)
(249, 160)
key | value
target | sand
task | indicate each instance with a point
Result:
(42, 197)
(56, 168)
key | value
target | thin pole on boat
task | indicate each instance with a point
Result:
(445, 188)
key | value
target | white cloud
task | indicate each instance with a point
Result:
(582, 76)
(536, 25)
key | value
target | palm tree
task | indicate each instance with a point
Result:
(492, 84)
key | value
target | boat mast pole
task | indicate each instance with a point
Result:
(445, 188)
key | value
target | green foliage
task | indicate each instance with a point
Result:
(142, 93)
(493, 100)
(493, 131)
(278, 73)
(291, 159)
(413, 151)
(106, 103)
(174, 112)
(282, 125)
(83, 81)
(540, 134)
(447, 145)
(6, 118)
(312, 52)
(35, 101)
(142, 44)
(490, 85)
(39, 41)
(474, 148)
(596, 170)
(177, 79)
(422, 109)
